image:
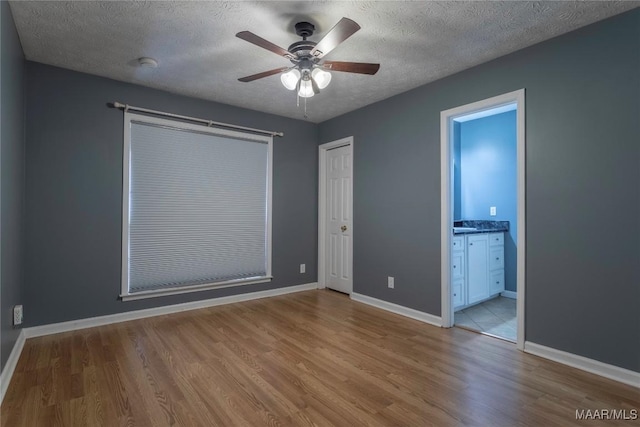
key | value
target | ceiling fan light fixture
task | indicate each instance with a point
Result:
(321, 77)
(306, 89)
(290, 78)
(308, 75)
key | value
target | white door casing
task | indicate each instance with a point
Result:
(446, 213)
(335, 252)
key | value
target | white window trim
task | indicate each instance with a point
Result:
(128, 118)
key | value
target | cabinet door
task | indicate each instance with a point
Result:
(457, 243)
(477, 268)
(496, 239)
(496, 282)
(496, 257)
(458, 293)
(457, 265)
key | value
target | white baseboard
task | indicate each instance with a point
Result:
(612, 372)
(398, 309)
(73, 325)
(509, 294)
(10, 366)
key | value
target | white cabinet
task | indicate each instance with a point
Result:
(477, 267)
(496, 257)
(496, 239)
(458, 271)
(457, 243)
(458, 289)
(457, 265)
(496, 282)
(496, 263)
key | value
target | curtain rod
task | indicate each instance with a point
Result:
(209, 123)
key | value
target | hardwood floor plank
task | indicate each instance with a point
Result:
(313, 358)
(220, 404)
(78, 412)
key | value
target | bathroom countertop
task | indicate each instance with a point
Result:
(481, 226)
(477, 231)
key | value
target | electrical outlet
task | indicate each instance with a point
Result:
(17, 315)
(303, 268)
(391, 282)
(492, 211)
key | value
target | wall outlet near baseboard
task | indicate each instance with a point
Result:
(303, 268)
(391, 282)
(17, 315)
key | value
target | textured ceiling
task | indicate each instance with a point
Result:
(199, 55)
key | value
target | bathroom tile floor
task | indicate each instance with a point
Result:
(496, 316)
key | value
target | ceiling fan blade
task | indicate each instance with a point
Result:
(339, 33)
(265, 44)
(352, 67)
(263, 74)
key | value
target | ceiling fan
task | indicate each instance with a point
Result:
(308, 74)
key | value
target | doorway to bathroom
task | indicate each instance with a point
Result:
(483, 217)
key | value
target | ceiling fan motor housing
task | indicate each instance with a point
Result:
(302, 49)
(305, 29)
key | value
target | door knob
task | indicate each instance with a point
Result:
(343, 228)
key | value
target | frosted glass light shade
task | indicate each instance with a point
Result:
(290, 79)
(321, 77)
(306, 90)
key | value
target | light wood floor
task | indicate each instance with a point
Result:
(311, 358)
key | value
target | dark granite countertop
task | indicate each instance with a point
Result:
(480, 226)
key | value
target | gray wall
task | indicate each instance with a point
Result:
(74, 186)
(12, 179)
(582, 180)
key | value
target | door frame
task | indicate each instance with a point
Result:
(446, 200)
(322, 205)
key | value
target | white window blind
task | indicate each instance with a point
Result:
(197, 207)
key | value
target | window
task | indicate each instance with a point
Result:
(196, 207)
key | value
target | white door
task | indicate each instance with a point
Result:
(338, 243)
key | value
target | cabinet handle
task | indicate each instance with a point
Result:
(470, 244)
(454, 266)
(497, 259)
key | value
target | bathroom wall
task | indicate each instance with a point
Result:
(488, 177)
(457, 209)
